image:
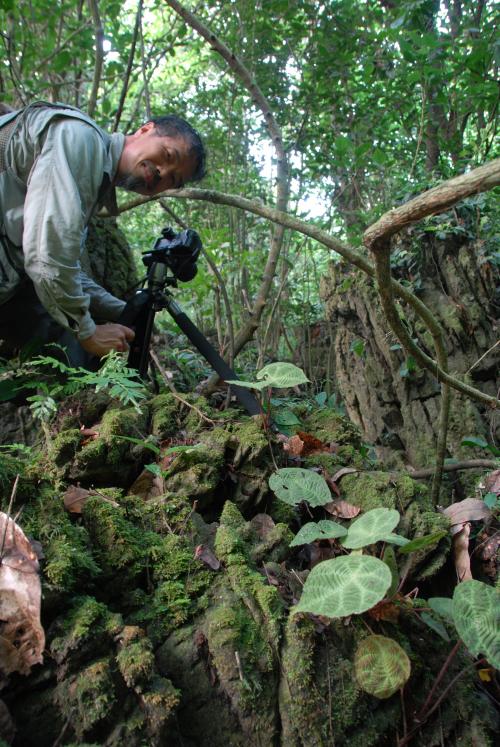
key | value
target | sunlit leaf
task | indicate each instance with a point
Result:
(344, 586)
(476, 613)
(382, 667)
(373, 526)
(295, 484)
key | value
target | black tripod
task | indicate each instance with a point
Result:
(177, 252)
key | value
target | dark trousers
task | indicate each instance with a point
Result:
(27, 328)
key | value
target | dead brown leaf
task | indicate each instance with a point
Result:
(205, 554)
(312, 445)
(262, 524)
(492, 482)
(342, 509)
(461, 553)
(22, 638)
(470, 509)
(386, 611)
(294, 446)
(75, 498)
(147, 486)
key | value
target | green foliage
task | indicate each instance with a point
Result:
(374, 526)
(295, 484)
(54, 379)
(382, 667)
(317, 531)
(476, 613)
(274, 376)
(477, 442)
(344, 586)
(422, 542)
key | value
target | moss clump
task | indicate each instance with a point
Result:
(64, 447)
(68, 554)
(275, 547)
(196, 472)
(121, 547)
(160, 701)
(86, 621)
(164, 412)
(233, 547)
(382, 490)
(329, 426)
(301, 703)
(88, 699)
(135, 658)
(110, 458)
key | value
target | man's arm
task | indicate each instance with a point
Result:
(61, 194)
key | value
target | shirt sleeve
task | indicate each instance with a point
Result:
(62, 191)
(103, 305)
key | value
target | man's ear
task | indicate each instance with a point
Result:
(146, 127)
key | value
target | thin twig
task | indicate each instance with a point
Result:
(9, 511)
(163, 373)
(483, 356)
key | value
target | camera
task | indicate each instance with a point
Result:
(179, 251)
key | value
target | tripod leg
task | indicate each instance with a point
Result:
(219, 365)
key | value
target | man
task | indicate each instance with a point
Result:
(56, 168)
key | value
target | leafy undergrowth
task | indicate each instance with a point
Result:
(201, 590)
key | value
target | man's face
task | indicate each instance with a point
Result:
(151, 163)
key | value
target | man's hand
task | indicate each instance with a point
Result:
(108, 337)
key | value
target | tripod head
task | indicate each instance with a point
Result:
(178, 251)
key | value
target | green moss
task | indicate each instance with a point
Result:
(301, 702)
(64, 447)
(120, 545)
(89, 698)
(68, 555)
(276, 546)
(164, 410)
(160, 701)
(136, 663)
(329, 426)
(381, 489)
(86, 619)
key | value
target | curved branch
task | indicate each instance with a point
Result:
(433, 201)
(359, 260)
(99, 56)
(377, 240)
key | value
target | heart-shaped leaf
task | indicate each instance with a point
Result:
(373, 526)
(282, 375)
(344, 586)
(315, 531)
(295, 484)
(382, 667)
(476, 613)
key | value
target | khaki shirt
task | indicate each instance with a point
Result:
(57, 164)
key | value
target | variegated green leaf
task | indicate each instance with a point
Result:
(295, 484)
(282, 375)
(382, 667)
(373, 526)
(476, 613)
(344, 586)
(315, 531)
